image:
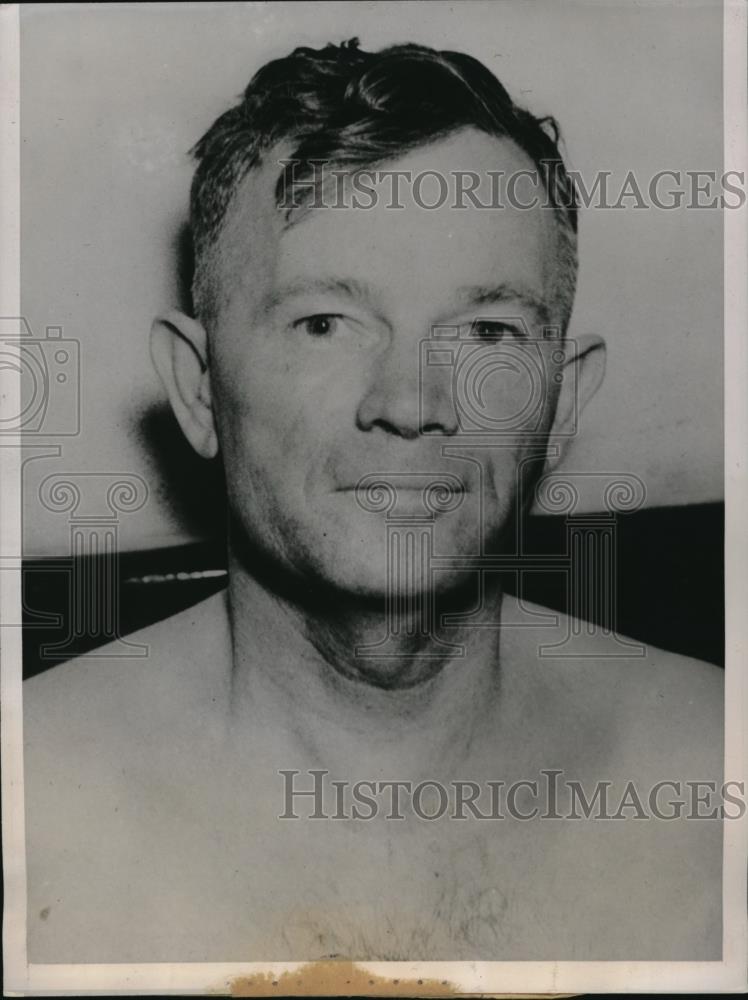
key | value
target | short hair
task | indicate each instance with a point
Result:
(356, 109)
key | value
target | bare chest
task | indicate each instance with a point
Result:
(414, 894)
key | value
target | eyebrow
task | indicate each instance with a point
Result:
(355, 290)
(481, 295)
(349, 288)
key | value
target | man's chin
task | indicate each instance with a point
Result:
(366, 557)
(375, 579)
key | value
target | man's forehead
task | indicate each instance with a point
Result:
(431, 215)
(476, 167)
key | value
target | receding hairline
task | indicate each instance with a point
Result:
(227, 244)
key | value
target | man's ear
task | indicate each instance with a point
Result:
(179, 348)
(583, 372)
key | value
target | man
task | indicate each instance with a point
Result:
(364, 636)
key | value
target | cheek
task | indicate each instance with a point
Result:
(279, 432)
(251, 397)
(507, 475)
(502, 392)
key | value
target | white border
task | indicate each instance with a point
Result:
(11, 720)
(735, 109)
(467, 977)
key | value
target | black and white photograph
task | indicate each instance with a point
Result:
(373, 548)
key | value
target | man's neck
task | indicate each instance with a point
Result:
(320, 673)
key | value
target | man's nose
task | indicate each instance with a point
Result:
(406, 398)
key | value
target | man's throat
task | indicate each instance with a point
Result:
(351, 685)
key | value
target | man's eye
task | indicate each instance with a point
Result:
(491, 329)
(321, 325)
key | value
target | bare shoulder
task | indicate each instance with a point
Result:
(164, 659)
(637, 734)
(92, 718)
(681, 699)
(649, 706)
(112, 746)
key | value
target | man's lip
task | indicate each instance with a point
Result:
(401, 486)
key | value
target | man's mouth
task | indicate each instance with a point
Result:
(404, 487)
(390, 492)
(406, 479)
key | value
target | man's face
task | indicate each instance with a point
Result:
(319, 372)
